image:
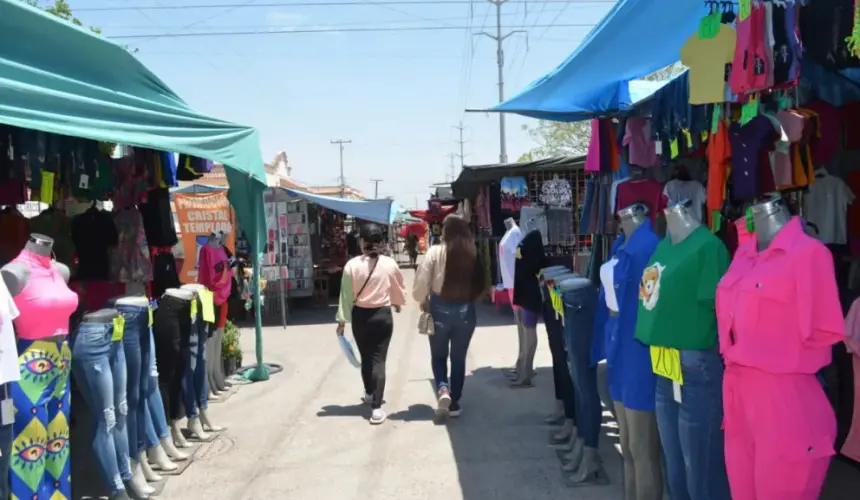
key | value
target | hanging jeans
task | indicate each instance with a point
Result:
(155, 421)
(99, 366)
(579, 308)
(690, 430)
(137, 349)
(194, 386)
(171, 329)
(453, 323)
(372, 329)
(562, 382)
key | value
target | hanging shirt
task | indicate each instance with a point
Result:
(719, 155)
(631, 380)
(94, 235)
(747, 142)
(613, 194)
(530, 259)
(825, 144)
(214, 271)
(9, 369)
(826, 206)
(778, 310)
(130, 261)
(647, 191)
(15, 231)
(851, 447)
(508, 255)
(678, 290)
(592, 159)
(707, 59)
(637, 137)
(678, 190)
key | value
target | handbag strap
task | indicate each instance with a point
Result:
(372, 268)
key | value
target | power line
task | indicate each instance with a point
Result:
(331, 30)
(339, 3)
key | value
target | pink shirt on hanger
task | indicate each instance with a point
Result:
(778, 310)
(212, 264)
(592, 160)
(637, 136)
(851, 447)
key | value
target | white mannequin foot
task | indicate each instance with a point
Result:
(589, 468)
(208, 425)
(176, 434)
(196, 429)
(139, 480)
(564, 432)
(163, 456)
(150, 475)
(574, 458)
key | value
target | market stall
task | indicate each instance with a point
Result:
(746, 163)
(90, 279)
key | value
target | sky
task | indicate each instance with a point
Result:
(397, 95)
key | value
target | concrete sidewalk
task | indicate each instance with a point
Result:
(303, 434)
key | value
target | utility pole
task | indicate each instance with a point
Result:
(375, 188)
(451, 157)
(500, 62)
(462, 155)
(340, 143)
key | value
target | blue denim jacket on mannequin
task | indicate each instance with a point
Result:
(631, 380)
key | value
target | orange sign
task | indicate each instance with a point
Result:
(199, 215)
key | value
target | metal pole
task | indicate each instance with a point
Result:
(340, 143)
(375, 188)
(281, 280)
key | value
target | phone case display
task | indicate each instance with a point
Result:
(275, 261)
(296, 248)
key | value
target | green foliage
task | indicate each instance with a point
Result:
(571, 139)
(61, 9)
(230, 347)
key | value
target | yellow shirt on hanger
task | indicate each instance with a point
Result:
(707, 59)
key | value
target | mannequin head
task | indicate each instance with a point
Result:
(509, 223)
(769, 217)
(632, 217)
(39, 244)
(680, 220)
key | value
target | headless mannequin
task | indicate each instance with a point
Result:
(214, 367)
(15, 274)
(512, 373)
(199, 426)
(680, 221)
(140, 468)
(566, 434)
(640, 439)
(175, 430)
(769, 218)
(582, 461)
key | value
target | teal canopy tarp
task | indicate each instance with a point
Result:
(64, 79)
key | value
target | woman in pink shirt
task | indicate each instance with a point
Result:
(371, 287)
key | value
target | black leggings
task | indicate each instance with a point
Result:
(372, 329)
(171, 329)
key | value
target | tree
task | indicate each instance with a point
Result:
(61, 9)
(571, 139)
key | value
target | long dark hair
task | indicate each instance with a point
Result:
(464, 274)
(372, 239)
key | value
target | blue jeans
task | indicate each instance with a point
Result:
(454, 324)
(194, 386)
(99, 367)
(579, 308)
(561, 376)
(6, 437)
(137, 349)
(690, 430)
(155, 421)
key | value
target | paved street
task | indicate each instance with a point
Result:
(302, 435)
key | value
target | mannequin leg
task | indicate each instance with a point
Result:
(156, 431)
(6, 436)
(644, 444)
(211, 362)
(218, 369)
(560, 369)
(524, 376)
(201, 386)
(189, 388)
(136, 320)
(520, 342)
(624, 441)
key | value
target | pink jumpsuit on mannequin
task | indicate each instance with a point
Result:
(778, 314)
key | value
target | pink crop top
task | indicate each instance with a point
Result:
(46, 303)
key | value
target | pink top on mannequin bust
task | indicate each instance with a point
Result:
(851, 447)
(46, 303)
(214, 272)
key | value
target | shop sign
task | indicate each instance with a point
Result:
(199, 215)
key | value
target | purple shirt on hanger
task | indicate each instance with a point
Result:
(747, 142)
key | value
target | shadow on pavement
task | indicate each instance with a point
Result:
(489, 315)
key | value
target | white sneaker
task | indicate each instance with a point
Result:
(367, 399)
(444, 400)
(378, 416)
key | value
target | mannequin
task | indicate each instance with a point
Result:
(527, 296)
(137, 349)
(99, 361)
(780, 290)
(45, 304)
(207, 277)
(631, 380)
(172, 327)
(196, 386)
(507, 259)
(564, 392)
(676, 318)
(579, 297)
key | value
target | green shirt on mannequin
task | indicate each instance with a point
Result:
(678, 290)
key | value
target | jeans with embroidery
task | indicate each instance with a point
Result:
(99, 367)
(137, 350)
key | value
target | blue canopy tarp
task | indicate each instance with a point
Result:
(65, 79)
(635, 38)
(379, 211)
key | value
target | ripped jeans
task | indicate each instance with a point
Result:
(99, 367)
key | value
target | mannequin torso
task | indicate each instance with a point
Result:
(180, 294)
(131, 300)
(680, 221)
(15, 274)
(101, 316)
(631, 218)
(573, 283)
(769, 218)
